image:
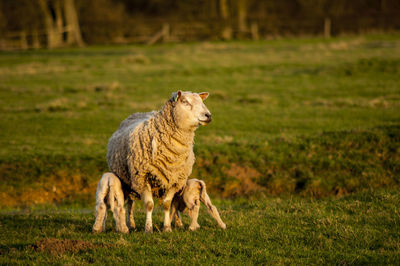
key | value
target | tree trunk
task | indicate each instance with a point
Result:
(54, 35)
(71, 18)
(212, 8)
(58, 20)
(226, 32)
(242, 17)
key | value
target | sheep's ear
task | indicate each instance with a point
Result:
(177, 95)
(204, 95)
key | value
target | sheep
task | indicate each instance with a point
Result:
(109, 192)
(152, 152)
(190, 198)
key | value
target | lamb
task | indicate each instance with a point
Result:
(189, 200)
(109, 192)
(152, 153)
(193, 193)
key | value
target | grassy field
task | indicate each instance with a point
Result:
(359, 229)
(308, 116)
(314, 122)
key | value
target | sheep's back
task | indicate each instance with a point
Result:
(134, 119)
(118, 145)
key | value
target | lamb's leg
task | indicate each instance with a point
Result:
(149, 205)
(194, 214)
(167, 205)
(119, 210)
(212, 210)
(101, 208)
(178, 220)
(131, 209)
(101, 216)
(174, 215)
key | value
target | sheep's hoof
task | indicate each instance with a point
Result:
(223, 226)
(167, 229)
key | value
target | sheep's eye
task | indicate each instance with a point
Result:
(185, 102)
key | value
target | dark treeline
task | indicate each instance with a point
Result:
(66, 22)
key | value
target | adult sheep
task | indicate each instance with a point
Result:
(152, 152)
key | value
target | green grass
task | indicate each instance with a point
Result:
(359, 229)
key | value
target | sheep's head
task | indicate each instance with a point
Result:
(190, 110)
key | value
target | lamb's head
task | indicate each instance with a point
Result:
(190, 110)
(192, 193)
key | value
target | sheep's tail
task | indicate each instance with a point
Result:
(212, 210)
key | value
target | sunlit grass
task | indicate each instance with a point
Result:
(358, 229)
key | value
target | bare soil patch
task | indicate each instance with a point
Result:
(244, 182)
(60, 246)
(56, 188)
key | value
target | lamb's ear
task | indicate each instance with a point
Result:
(204, 95)
(203, 192)
(204, 196)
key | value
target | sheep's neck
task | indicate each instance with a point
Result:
(165, 123)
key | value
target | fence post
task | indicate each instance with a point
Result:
(3, 44)
(327, 28)
(165, 32)
(254, 31)
(23, 40)
(35, 40)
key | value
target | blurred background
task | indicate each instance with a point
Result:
(57, 23)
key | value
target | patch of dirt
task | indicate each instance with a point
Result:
(60, 246)
(244, 182)
(58, 187)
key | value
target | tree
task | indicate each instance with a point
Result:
(51, 11)
(242, 16)
(71, 19)
(56, 15)
(226, 32)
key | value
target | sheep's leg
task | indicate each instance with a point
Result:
(131, 209)
(149, 205)
(172, 212)
(167, 205)
(194, 214)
